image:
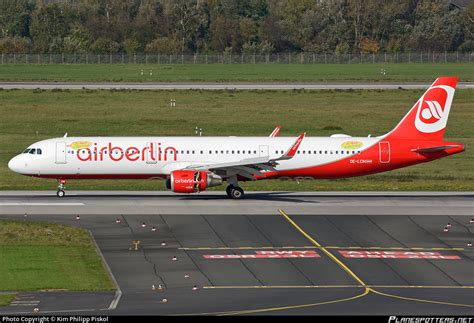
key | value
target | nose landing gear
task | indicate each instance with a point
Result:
(61, 188)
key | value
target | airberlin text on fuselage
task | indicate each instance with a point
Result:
(154, 151)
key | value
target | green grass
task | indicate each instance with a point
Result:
(6, 299)
(39, 256)
(30, 116)
(236, 73)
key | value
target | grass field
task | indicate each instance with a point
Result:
(6, 299)
(39, 256)
(29, 116)
(236, 72)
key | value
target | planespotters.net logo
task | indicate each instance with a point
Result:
(408, 319)
(433, 109)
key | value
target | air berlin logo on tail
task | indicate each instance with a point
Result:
(433, 109)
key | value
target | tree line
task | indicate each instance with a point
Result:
(231, 26)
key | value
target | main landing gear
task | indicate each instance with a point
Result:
(234, 192)
(61, 188)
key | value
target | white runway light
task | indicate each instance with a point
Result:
(143, 224)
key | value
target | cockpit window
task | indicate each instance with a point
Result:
(33, 151)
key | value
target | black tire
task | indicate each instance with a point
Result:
(227, 190)
(60, 193)
(236, 193)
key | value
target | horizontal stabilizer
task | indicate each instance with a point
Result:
(434, 149)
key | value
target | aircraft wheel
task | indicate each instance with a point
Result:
(236, 193)
(60, 193)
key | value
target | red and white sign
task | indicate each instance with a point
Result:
(395, 255)
(269, 254)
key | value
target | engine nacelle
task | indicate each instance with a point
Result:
(191, 181)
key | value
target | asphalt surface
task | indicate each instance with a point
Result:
(221, 86)
(216, 246)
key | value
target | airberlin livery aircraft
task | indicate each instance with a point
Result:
(192, 164)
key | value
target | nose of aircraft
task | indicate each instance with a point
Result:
(14, 164)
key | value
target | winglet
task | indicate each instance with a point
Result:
(275, 131)
(293, 149)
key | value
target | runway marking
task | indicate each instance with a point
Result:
(329, 254)
(267, 254)
(366, 254)
(337, 286)
(40, 204)
(315, 247)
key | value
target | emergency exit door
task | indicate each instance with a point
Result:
(60, 153)
(384, 149)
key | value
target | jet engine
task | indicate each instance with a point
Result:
(191, 181)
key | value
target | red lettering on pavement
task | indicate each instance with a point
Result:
(367, 254)
(273, 254)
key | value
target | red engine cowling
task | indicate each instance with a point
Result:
(192, 181)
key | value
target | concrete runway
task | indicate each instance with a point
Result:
(222, 86)
(232, 252)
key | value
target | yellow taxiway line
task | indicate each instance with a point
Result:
(337, 286)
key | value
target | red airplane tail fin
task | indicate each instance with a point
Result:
(428, 118)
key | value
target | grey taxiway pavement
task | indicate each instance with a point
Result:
(272, 253)
(221, 86)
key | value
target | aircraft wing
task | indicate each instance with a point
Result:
(251, 167)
